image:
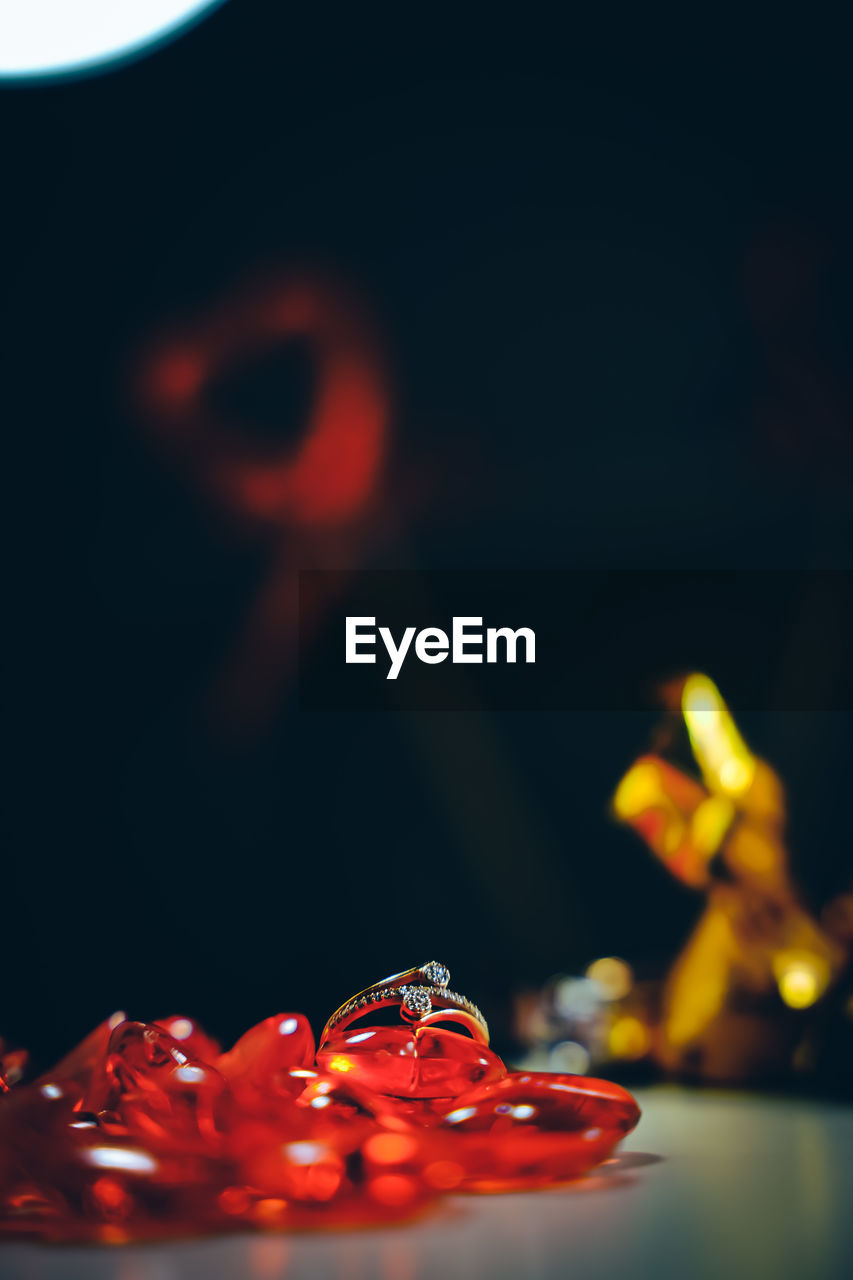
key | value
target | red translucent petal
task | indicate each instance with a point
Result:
(259, 1064)
(533, 1129)
(429, 1063)
(150, 1088)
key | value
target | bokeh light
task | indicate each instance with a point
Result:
(613, 975)
(56, 37)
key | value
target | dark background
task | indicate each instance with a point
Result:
(612, 271)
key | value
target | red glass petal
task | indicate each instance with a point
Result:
(428, 1063)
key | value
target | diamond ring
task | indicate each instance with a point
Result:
(423, 998)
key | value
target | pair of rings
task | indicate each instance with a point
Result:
(423, 998)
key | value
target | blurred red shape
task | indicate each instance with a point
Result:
(312, 500)
(331, 473)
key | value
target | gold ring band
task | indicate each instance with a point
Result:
(418, 1002)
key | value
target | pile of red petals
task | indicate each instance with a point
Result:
(148, 1130)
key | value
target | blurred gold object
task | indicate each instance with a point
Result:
(755, 940)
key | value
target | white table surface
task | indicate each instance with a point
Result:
(710, 1185)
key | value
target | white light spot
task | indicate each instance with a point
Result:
(304, 1152)
(287, 1026)
(190, 1075)
(462, 1113)
(181, 1029)
(319, 1103)
(523, 1112)
(569, 1056)
(577, 999)
(51, 1091)
(128, 1158)
(362, 1035)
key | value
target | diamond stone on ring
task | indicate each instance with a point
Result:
(417, 1000)
(435, 973)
